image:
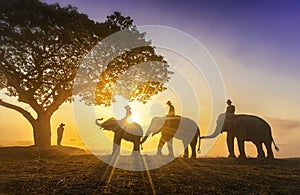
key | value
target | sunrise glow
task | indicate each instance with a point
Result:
(260, 72)
(133, 118)
(149, 97)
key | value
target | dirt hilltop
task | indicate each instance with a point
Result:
(26, 170)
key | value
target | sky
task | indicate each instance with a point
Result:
(255, 44)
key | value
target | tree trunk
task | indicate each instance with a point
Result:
(41, 125)
(42, 131)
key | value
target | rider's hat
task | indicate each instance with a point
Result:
(229, 101)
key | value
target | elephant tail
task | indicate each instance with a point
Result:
(276, 148)
(199, 140)
(141, 143)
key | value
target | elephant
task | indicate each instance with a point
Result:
(179, 127)
(246, 128)
(132, 132)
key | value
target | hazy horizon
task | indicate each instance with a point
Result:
(255, 44)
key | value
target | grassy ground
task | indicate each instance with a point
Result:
(25, 170)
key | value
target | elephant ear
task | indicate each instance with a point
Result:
(236, 123)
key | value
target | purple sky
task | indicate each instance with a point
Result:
(240, 24)
(256, 44)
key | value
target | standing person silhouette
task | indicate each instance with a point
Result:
(60, 132)
(171, 109)
(230, 108)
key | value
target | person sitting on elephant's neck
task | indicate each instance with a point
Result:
(171, 109)
(171, 113)
(128, 113)
(230, 108)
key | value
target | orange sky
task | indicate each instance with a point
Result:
(15, 130)
(256, 47)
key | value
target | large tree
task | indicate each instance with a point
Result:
(42, 47)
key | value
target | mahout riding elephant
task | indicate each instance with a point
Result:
(132, 132)
(179, 127)
(246, 128)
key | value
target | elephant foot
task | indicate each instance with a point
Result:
(185, 156)
(171, 155)
(261, 156)
(135, 153)
(159, 153)
(193, 156)
(115, 154)
(231, 156)
(242, 156)
(270, 157)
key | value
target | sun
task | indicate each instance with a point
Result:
(133, 118)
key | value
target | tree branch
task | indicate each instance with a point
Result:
(58, 101)
(26, 98)
(25, 113)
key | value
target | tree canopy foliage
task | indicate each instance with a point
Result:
(42, 47)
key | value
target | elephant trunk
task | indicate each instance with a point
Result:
(98, 123)
(154, 128)
(144, 139)
(148, 133)
(219, 128)
(217, 131)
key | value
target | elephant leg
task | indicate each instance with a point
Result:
(241, 145)
(117, 144)
(260, 151)
(161, 143)
(170, 147)
(230, 145)
(136, 148)
(193, 147)
(186, 150)
(269, 149)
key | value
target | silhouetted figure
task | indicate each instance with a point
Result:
(171, 109)
(230, 108)
(128, 112)
(60, 132)
(230, 138)
(171, 113)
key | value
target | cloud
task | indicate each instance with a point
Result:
(286, 134)
(284, 124)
